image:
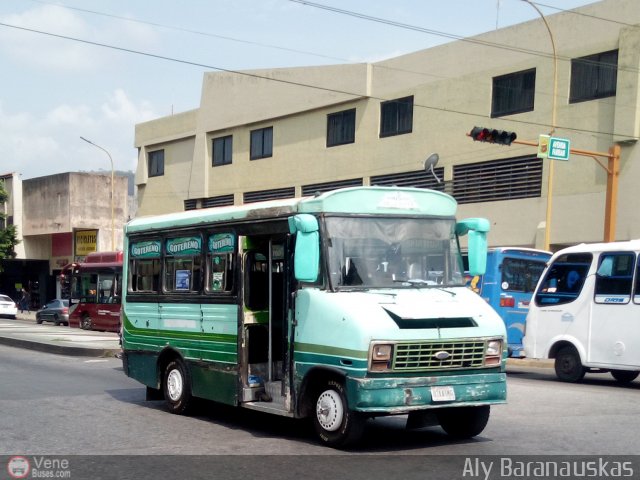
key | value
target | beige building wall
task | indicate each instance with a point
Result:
(72, 201)
(452, 89)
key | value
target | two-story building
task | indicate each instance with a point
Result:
(288, 132)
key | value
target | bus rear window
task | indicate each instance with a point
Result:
(519, 275)
(564, 279)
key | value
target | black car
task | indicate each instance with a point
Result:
(56, 311)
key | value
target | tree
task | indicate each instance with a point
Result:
(8, 234)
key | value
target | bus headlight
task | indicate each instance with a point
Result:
(493, 353)
(381, 354)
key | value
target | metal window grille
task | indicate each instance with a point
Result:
(274, 194)
(496, 180)
(328, 186)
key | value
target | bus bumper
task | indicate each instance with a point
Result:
(397, 395)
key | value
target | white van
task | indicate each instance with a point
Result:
(585, 312)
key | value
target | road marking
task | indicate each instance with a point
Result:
(95, 361)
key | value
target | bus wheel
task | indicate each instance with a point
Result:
(624, 376)
(568, 366)
(335, 424)
(177, 388)
(85, 322)
(464, 422)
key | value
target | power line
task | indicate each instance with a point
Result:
(582, 14)
(472, 40)
(187, 30)
(287, 82)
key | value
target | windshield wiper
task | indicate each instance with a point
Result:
(420, 283)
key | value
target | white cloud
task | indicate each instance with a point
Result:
(120, 108)
(26, 46)
(50, 144)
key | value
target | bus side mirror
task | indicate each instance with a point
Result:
(477, 229)
(306, 259)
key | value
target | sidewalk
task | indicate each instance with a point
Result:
(24, 332)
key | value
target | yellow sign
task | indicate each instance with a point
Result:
(543, 146)
(86, 241)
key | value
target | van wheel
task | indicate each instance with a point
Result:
(568, 366)
(85, 322)
(335, 424)
(177, 388)
(624, 376)
(464, 422)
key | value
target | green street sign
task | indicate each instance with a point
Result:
(559, 148)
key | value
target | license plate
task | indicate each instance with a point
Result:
(442, 394)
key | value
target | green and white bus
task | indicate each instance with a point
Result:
(339, 307)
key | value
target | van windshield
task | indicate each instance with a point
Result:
(375, 252)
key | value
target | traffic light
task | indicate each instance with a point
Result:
(501, 137)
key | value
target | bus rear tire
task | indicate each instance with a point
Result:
(624, 376)
(85, 322)
(568, 366)
(464, 422)
(335, 424)
(177, 388)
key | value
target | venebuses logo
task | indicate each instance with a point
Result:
(18, 467)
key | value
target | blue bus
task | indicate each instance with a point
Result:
(508, 284)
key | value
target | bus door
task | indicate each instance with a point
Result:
(614, 337)
(109, 295)
(264, 325)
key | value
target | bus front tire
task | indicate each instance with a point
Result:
(568, 366)
(335, 424)
(464, 422)
(177, 388)
(624, 376)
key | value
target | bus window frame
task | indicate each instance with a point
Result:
(602, 278)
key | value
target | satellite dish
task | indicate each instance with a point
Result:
(429, 163)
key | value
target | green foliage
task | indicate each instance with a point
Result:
(8, 234)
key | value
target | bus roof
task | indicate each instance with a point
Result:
(523, 250)
(355, 200)
(626, 246)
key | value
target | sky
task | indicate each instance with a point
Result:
(96, 68)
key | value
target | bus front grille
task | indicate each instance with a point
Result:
(438, 355)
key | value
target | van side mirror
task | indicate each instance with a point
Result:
(477, 229)
(306, 258)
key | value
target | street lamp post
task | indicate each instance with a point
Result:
(113, 221)
(547, 227)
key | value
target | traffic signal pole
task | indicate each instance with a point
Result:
(613, 173)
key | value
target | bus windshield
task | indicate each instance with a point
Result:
(372, 252)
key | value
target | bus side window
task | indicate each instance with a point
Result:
(563, 281)
(614, 278)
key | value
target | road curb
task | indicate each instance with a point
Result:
(530, 362)
(60, 349)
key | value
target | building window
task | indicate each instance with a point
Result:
(156, 163)
(261, 143)
(341, 128)
(222, 148)
(513, 93)
(594, 76)
(396, 117)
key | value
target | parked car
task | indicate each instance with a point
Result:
(8, 307)
(56, 311)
